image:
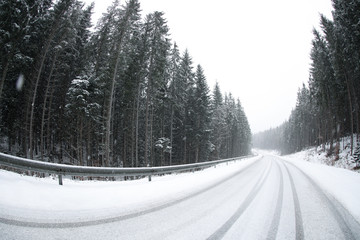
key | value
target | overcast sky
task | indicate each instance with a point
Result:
(257, 50)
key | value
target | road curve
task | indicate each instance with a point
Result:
(269, 199)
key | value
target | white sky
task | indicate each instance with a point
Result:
(257, 50)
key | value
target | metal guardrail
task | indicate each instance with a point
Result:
(62, 169)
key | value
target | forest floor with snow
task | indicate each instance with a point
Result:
(320, 155)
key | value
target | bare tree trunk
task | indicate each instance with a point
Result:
(31, 133)
(79, 144)
(3, 76)
(197, 152)
(151, 137)
(109, 106)
(356, 108)
(197, 142)
(331, 127)
(162, 159)
(43, 56)
(185, 150)
(351, 113)
(147, 124)
(88, 145)
(171, 133)
(48, 135)
(137, 127)
(26, 127)
(133, 123)
(147, 114)
(44, 109)
(109, 114)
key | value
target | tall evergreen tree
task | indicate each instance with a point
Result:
(159, 46)
(118, 96)
(174, 104)
(217, 122)
(184, 88)
(202, 116)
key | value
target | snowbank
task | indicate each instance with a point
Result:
(44, 200)
(317, 155)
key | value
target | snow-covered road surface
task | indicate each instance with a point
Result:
(265, 197)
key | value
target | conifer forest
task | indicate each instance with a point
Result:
(327, 107)
(121, 93)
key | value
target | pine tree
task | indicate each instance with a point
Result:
(217, 122)
(173, 74)
(130, 95)
(342, 96)
(110, 39)
(202, 116)
(243, 138)
(119, 96)
(184, 89)
(159, 46)
(59, 11)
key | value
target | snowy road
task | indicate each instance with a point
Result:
(261, 198)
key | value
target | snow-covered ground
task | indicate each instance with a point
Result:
(318, 155)
(266, 196)
(44, 200)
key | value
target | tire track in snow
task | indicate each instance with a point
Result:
(346, 222)
(195, 219)
(220, 233)
(298, 218)
(274, 226)
(32, 224)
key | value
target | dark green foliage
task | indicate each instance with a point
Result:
(117, 96)
(230, 134)
(202, 116)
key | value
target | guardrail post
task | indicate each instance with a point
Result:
(60, 179)
(149, 176)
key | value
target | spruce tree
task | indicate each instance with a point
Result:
(217, 122)
(202, 116)
(159, 46)
(174, 106)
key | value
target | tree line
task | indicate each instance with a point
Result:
(119, 95)
(327, 109)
